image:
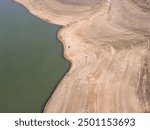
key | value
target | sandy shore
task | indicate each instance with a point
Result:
(107, 43)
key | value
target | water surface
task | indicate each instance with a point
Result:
(31, 59)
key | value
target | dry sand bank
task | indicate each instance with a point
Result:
(108, 44)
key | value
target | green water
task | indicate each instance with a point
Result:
(31, 59)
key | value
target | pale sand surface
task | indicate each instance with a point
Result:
(107, 43)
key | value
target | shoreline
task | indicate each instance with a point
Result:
(59, 37)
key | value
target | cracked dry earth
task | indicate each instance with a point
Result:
(108, 45)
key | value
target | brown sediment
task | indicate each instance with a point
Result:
(108, 46)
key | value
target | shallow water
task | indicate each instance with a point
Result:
(31, 59)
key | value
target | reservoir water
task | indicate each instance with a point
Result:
(31, 59)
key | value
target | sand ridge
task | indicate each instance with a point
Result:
(108, 46)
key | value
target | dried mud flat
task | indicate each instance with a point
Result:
(108, 45)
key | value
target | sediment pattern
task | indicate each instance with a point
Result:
(108, 45)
